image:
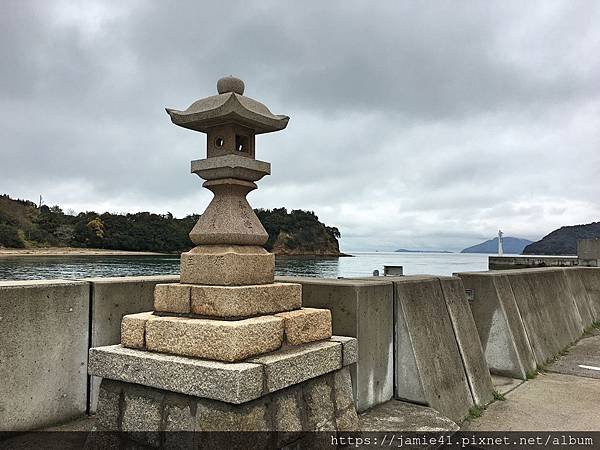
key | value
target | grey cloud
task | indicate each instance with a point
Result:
(423, 124)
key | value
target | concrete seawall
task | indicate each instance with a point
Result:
(425, 339)
(43, 352)
(46, 330)
(363, 309)
(526, 317)
(525, 262)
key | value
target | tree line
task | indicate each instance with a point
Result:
(24, 224)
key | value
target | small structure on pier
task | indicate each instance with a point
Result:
(227, 348)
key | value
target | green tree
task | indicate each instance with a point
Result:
(10, 236)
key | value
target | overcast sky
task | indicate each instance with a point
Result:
(413, 124)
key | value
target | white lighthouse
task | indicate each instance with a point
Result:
(500, 243)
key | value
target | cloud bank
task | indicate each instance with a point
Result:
(415, 125)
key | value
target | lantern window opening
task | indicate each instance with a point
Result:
(241, 143)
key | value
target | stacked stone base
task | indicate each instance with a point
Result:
(166, 401)
(163, 419)
(213, 358)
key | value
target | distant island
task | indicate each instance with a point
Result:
(511, 245)
(25, 225)
(404, 250)
(564, 240)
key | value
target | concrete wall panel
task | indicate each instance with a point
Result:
(498, 321)
(530, 312)
(467, 337)
(361, 309)
(591, 280)
(548, 310)
(43, 352)
(582, 299)
(429, 339)
(111, 299)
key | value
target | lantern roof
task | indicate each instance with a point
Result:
(230, 106)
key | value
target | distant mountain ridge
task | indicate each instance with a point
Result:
(511, 245)
(564, 240)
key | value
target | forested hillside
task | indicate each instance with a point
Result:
(564, 240)
(24, 225)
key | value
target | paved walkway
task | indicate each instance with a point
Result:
(401, 416)
(565, 397)
(583, 360)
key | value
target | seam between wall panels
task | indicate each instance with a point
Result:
(414, 357)
(522, 323)
(88, 401)
(509, 329)
(394, 340)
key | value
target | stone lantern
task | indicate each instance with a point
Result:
(229, 230)
(227, 348)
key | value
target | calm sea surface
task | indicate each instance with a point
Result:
(361, 264)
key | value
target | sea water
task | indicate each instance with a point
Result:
(359, 264)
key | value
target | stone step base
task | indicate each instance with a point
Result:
(227, 301)
(224, 340)
(151, 415)
(227, 265)
(227, 382)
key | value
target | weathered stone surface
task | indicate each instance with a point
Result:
(467, 338)
(320, 412)
(245, 301)
(179, 415)
(293, 365)
(319, 404)
(346, 418)
(109, 405)
(133, 329)
(233, 265)
(306, 325)
(231, 166)
(362, 309)
(230, 84)
(216, 416)
(232, 383)
(218, 340)
(287, 410)
(142, 414)
(172, 297)
(229, 219)
(204, 114)
(349, 349)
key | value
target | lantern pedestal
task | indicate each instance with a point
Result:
(226, 348)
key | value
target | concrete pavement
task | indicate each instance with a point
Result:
(582, 360)
(565, 397)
